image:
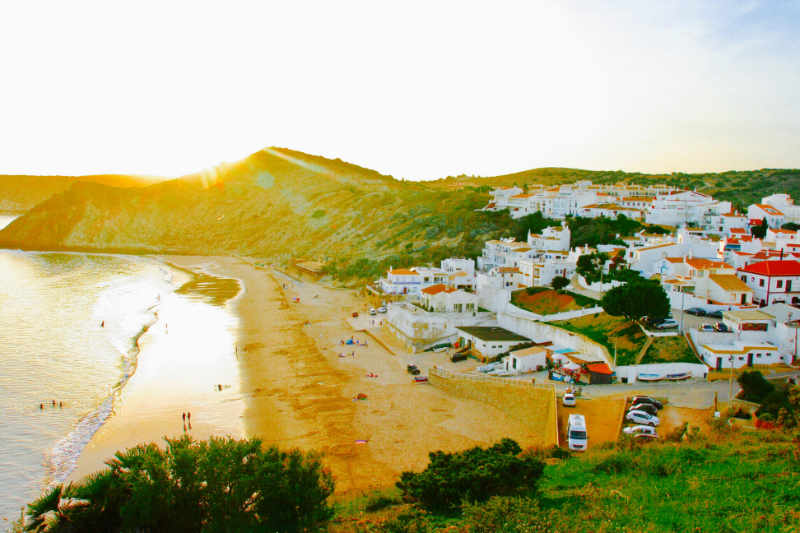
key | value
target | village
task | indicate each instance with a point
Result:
(530, 311)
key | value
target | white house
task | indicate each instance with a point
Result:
(774, 217)
(443, 299)
(773, 281)
(551, 239)
(723, 289)
(401, 281)
(488, 342)
(785, 204)
(526, 360)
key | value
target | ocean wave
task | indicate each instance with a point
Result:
(126, 311)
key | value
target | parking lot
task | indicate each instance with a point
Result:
(602, 415)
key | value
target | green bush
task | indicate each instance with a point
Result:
(507, 515)
(221, 484)
(319, 213)
(472, 475)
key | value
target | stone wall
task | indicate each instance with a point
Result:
(533, 405)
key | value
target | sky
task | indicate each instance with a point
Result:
(417, 90)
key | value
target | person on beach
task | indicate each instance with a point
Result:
(41, 407)
(60, 405)
(103, 324)
(183, 415)
(54, 403)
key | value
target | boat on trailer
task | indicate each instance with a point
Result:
(647, 376)
(678, 376)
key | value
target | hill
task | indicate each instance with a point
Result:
(724, 481)
(279, 205)
(18, 193)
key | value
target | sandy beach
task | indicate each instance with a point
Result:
(286, 383)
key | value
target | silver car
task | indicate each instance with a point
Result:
(640, 417)
(641, 431)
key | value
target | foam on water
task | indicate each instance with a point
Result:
(126, 309)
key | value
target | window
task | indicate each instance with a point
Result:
(758, 355)
(761, 283)
(780, 283)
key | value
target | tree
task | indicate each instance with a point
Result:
(559, 282)
(590, 266)
(637, 299)
(221, 484)
(754, 386)
(472, 475)
(791, 226)
(760, 231)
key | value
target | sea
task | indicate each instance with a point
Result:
(69, 330)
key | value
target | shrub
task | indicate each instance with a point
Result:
(754, 386)
(377, 503)
(221, 484)
(472, 475)
(508, 515)
(319, 213)
(559, 282)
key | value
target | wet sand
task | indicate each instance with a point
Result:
(294, 390)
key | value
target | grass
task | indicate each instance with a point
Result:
(720, 480)
(610, 331)
(670, 350)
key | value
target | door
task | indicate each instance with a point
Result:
(719, 363)
(789, 286)
(749, 359)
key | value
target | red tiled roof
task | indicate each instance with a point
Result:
(436, 289)
(598, 368)
(739, 230)
(768, 209)
(774, 268)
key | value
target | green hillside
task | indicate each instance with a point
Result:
(721, 481)
(281, 205)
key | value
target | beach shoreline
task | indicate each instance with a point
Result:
(297, 387)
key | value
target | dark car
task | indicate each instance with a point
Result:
(721, 327)
(646, 399)
(714, 314)
(412, 369)
(696, 311)
(648, 408)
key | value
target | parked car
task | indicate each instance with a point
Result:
(568, 400)
(721, 327)
(577, 437)
(355, 315)
(706, 327)
(696, 311)
(714, 314)
(640, 417)
(372, 311)
(412, 369)
(669, 323)
(646, 399)
(382, 309)
(641, 431)
(648, 408)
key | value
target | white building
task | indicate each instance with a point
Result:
(773, 281)
(443, 299)
(758, 212)
(488, 342)
(553, 238)
(526, 360)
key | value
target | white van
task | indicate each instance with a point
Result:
(577, 438)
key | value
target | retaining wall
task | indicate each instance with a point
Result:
(539, 330)
(533, 405)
